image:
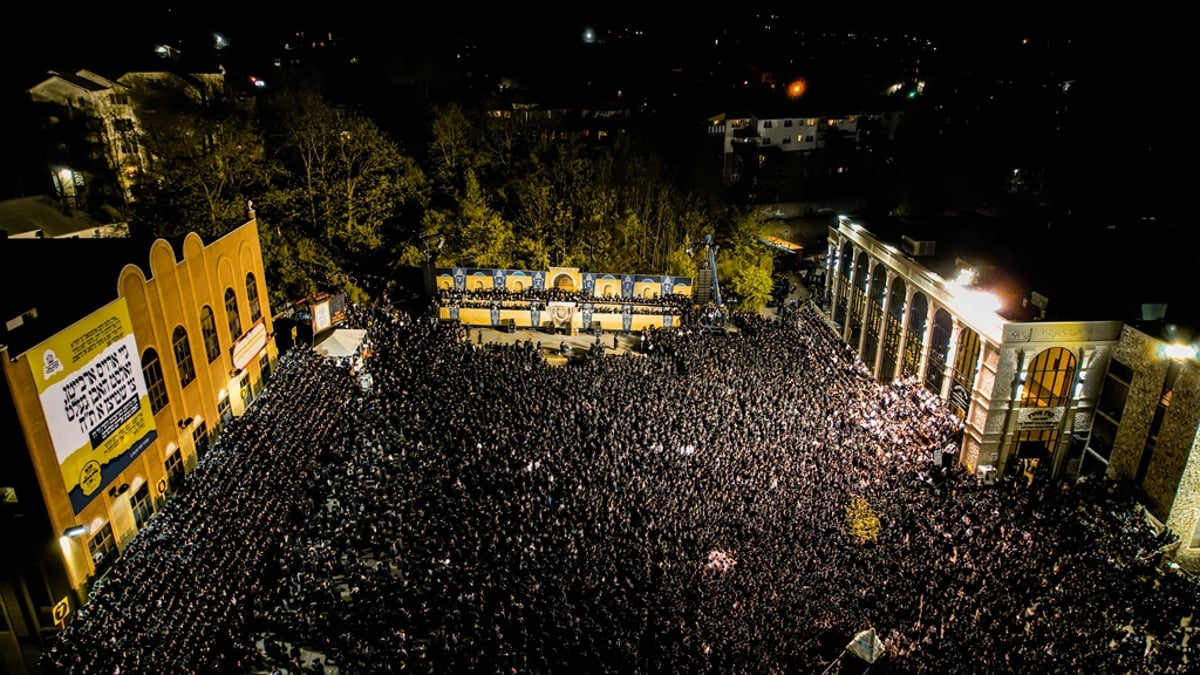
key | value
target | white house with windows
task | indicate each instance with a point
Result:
(744, 133)
(93, 131)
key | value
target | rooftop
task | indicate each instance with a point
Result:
(1140, 274)
(42, 213)
(49, 284)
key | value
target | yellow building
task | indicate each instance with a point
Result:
(120, 366)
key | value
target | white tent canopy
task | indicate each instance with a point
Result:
(341, 343)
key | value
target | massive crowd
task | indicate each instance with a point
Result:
(741, 502)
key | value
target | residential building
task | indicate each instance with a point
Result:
(43, 217)
(748, 139)
(93, 128)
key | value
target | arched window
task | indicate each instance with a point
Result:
(252, 298)
(183, 356)
(231, 315)
(155, 386)
(208, 327)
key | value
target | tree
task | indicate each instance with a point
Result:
(349, 187)
(861, 520)
(204, 167)
(486, 237)
(453, 146)
(753, 285)
(682, 262)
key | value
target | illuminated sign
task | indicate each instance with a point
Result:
(250, 345)
(1039, 419)
(93, 396)
(321, 318)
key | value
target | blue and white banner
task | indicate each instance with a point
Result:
(460, 279)
(626, 317)
(668, 286)
(627, 286)
(668, 320)
(589, 283)
(539, 281)
(495, 315)
(500, 279)
(453, 313)
(586, 312)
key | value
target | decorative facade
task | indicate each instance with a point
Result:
(561, 298)
(1061, 398)
(102, 419)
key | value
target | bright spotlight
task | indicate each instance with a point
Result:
(1179, 352)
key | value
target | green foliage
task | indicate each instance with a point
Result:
(204, 168)
(753, 286)
(861, 520)
(680, 263)
(340, 204)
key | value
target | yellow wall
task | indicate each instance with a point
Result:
(172, 296)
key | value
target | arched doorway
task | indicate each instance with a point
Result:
(966, 362)
(1047, 385)
(891, 332)
(858, 298)
(874, 324)
(846, 263)
(564, 282)
(939, 349)
(914, 342)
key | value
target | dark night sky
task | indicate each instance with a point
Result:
(54, 36)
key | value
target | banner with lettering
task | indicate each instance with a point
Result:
(94, 398)
(589, 283)
(627, 286)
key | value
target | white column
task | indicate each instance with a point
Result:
(883, 323)
(866, 308)
(908, 296)
(951, 354)
(833, 281)
(850, 300)
(923, 368)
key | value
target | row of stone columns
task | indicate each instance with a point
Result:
(835, 280)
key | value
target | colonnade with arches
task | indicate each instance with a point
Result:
(905, 325)
(901, 331)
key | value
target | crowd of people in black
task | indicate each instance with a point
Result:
(698, 508)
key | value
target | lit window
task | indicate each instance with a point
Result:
(175, 472)
(231, 315)
(208, 326)
(183, 357)
(141, 505)
(200, 437)
(252, 298)
(155, 386)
